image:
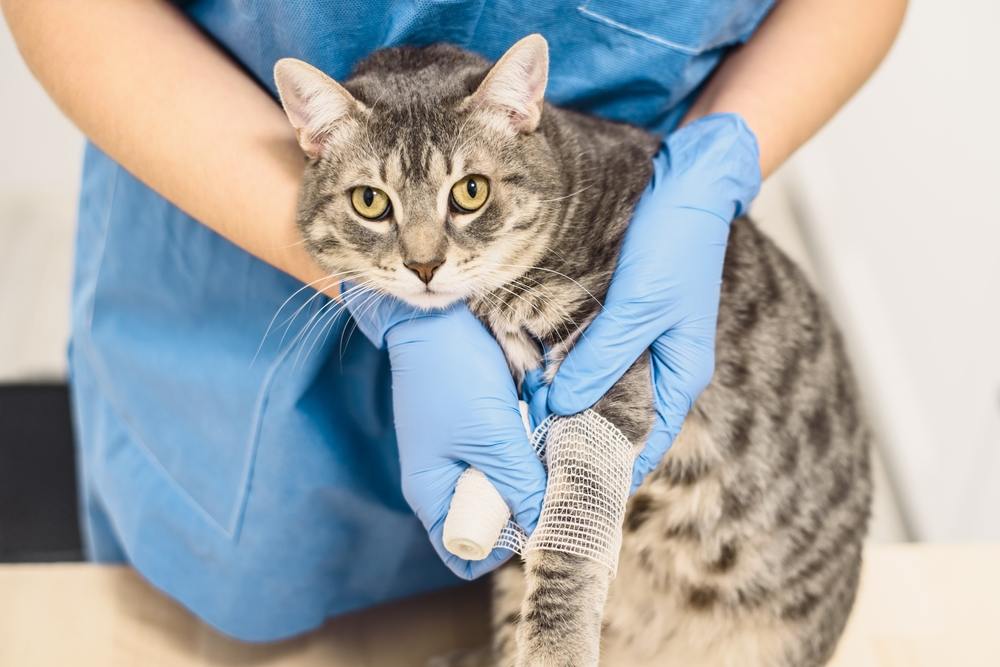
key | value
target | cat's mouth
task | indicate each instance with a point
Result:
(431, 299)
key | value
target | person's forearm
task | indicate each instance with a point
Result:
(807, 58)
(157, 96)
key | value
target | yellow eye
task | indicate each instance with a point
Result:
(470, 193)
(370, 203)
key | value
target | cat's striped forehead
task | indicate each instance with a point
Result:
(418, 146)
(415, 147)
(410, 165)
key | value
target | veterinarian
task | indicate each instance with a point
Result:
(261, 484)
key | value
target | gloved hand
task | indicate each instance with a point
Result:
(664, 294)
(455, 405)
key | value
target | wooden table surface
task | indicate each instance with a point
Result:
(920, 606)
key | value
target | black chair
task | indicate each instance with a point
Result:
(38, 503)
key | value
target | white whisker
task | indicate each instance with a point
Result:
(304, 332)
(270, 324)
(570, 195)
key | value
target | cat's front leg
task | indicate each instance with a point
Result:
(590, 466)
(562, 612)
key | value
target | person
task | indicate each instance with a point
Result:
(265, 486)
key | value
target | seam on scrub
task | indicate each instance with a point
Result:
(601, 18)
(475, 24)
(107, 387)
(104, 244)
(756, 19)
(253, 441)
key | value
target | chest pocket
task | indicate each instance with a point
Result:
(692, 27)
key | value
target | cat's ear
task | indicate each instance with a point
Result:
(314, 102)
(515, 86)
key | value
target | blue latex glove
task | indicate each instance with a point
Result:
(664, 294)
(455, 405)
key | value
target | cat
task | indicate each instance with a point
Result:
(435, 177)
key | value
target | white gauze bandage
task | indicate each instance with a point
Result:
(589, 463)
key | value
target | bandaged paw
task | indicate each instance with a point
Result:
(589, 463)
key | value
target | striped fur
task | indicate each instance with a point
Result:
(744, 546)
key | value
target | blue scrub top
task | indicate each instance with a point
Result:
(260, 487)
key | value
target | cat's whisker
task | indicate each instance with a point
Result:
(560, 326)
(285, 303)
(368, 140)
(323, 328)
(455, 146)
(534, 306)
(558, 273)
(496, 308)
(566, 332)
(547, 248)
(363, 310)
(343, 307)
(569, 196)
(563, 328)
(322, 325)
(304, 332)
(303, 335)
(544, 298)
(366, 150)
(288, 321)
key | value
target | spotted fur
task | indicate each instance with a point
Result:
(744, 546)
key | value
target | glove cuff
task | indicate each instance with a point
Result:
(723, 147)
(384, 319)
(373, 315)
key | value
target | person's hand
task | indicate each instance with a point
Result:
(664, 294)
(455, 405)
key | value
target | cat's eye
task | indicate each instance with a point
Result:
(470, 193)
(370, 203)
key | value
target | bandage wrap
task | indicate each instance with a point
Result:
(589, 463)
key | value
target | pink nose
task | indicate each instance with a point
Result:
(424, 270)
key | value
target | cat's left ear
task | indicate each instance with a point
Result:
(515, 86)
(315, 103)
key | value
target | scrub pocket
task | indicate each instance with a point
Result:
(692, 27)
(175, 319)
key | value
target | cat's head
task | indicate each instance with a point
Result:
(426, 175)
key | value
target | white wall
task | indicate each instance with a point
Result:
(898, 197)
(40, 156)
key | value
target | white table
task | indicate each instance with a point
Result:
(920, 606)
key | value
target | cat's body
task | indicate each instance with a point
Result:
(743, 547)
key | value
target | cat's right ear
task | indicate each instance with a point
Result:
(314, 102)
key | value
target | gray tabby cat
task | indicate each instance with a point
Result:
(434, 178)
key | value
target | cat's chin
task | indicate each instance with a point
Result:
(431, 300)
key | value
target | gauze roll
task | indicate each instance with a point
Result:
(475, 518)
(589, 463)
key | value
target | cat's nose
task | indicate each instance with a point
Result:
(424, 270)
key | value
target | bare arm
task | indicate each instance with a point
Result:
(151, 91)
(206, 137)
(807, 59)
